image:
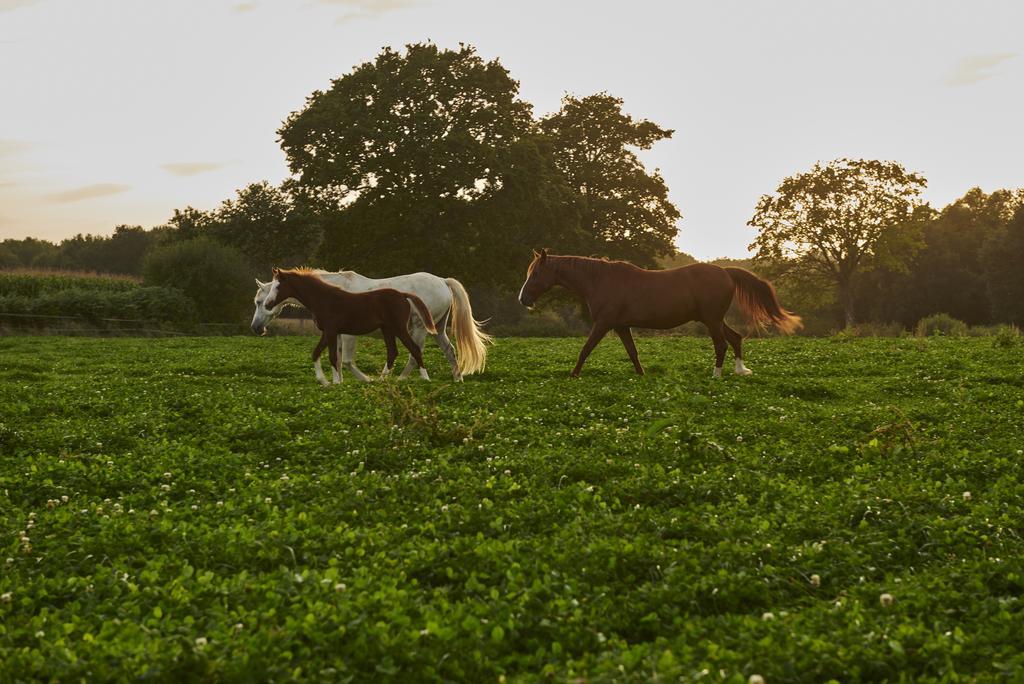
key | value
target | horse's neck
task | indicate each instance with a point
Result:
(314, 296)
(574, 279)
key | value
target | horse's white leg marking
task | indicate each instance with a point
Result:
(318, 369)
(336, 374)
(718, 372)
(741, 369)
(423, 374)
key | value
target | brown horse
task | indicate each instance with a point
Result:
(339, 312)
(621, 295)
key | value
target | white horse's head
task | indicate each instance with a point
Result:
(263, 315)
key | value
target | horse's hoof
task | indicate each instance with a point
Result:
(745, 371)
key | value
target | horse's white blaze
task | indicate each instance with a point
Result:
(741, 369)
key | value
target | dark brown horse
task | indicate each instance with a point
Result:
(621, 296)
(339, 312)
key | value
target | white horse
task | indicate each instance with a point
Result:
(445, 297)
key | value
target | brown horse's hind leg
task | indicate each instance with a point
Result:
(596, 334)
(627, 341)
(389, 344)
(317, 351)
(414, 350)
(332, 350)
(718, 337)
(735, 341)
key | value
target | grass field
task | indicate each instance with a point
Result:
(201, 509)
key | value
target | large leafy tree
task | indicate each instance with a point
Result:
(952, 273)
(266, 224)
(625, 209)
(396, 151)
(840, 219)
(1002, 257)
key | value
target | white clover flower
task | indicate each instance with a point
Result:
(239, 626)
(815, 580)
(967, 496)
(64, 499)
(220, 503)
(167, 476)
(767, 617)
(165, 487)
(195, 507)
(444, 508)
(5, 597)
(200, 642)
(755, 679)
(40, 634)
(340, 586)
(268, 500)
(886, 600)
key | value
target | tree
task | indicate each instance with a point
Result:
(215, 277)
(266, 225)
(625, 210)
(1002, 257)
(842, 218)
(395, 151)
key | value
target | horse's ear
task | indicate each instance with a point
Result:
(536, 254)
(277, 272)
(543, 253)
(259, 284)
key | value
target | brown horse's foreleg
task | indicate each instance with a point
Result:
(596, 334)
(627, 341)
(718, 337)
(332, 350)
(735, 341)
(317, 351)
(392, 349)
(414, 350)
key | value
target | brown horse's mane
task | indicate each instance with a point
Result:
(589, 264)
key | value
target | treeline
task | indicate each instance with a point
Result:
(428, 160)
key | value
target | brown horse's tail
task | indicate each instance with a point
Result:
(758, 300)
(423, 311)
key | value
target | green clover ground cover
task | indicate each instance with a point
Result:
(202, 509)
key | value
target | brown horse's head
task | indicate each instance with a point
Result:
(540, 277)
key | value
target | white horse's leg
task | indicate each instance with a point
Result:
(446, 346)
(419, 336)
(347, 344)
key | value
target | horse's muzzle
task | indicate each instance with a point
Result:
(260, 330)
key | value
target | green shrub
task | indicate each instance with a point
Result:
(941, 324)
(216, 278)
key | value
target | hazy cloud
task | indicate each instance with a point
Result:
(976, 68)
(245, 6)
(356, 9)
(8, 5)
(190, 168)
(9, 148)
(87, 192)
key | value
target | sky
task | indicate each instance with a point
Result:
(120, 111)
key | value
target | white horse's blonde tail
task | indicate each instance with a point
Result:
(470, 340)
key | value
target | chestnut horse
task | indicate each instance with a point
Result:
(621, 295)
(338, 312)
